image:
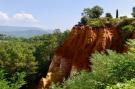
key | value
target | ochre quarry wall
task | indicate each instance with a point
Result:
(75, 53)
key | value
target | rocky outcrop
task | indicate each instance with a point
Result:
(75, 53)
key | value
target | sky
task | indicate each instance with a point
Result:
(53, 14)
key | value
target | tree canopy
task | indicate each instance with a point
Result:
(94, 12)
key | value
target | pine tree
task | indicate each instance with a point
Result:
(117, 13)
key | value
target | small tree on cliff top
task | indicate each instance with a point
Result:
(133, 13)
(108, 15)
(84, 20)
(94, 12)
(117, 13)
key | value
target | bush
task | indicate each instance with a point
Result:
(14, 82)
(83, 80)
(128, 28)
(126, 85)
(124, 22)
(123, 17)
(114, 67)
(127, 31)
(84, 20)
(108, 15)
(96, 23)
(103, 22)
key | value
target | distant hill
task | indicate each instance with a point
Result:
(22, 31)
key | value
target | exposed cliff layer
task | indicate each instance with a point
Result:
(74, 54)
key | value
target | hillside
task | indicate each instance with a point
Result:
(22, 31)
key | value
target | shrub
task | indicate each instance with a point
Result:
(84, 20)
(108, 15)
(123, 17)
(133, 12)
(128, 28)
(124, 22)
(126, 85)
(95, 23)
(14, 82)
(83, 80)
(127, 31)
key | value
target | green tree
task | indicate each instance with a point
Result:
(108, 15)
(2, 36)
(133, 12)
(15, 81)
(17, 57)
(117, 13)
(44, 53)
(94, 12)
(84, 20)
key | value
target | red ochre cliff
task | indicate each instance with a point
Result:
(74, 54)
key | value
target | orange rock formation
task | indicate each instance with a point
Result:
(74, 54)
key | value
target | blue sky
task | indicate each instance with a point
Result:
(51, 14)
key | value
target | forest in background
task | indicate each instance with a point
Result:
(23, 61)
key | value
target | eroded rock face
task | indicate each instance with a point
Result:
(74, 54)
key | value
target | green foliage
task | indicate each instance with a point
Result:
(113, 67)
(117, 23)
(133, 12)
(91, 18)
(108, 15)
(125, 21)
(14, 82)
(94, 12)
(24, 60)
(47, 44)
(17, 80)
(84, 20)
(128, 28)
(17, 57)
(82, 80)
(126, 85)
(117, 13)
(63, 37)
(127, 31)
(96, 23)
(3, 82)
(44, 53)
(123, 17)
(102, 22)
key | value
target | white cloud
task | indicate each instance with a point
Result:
(25, 17)
(3, 17)
(18, 19)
